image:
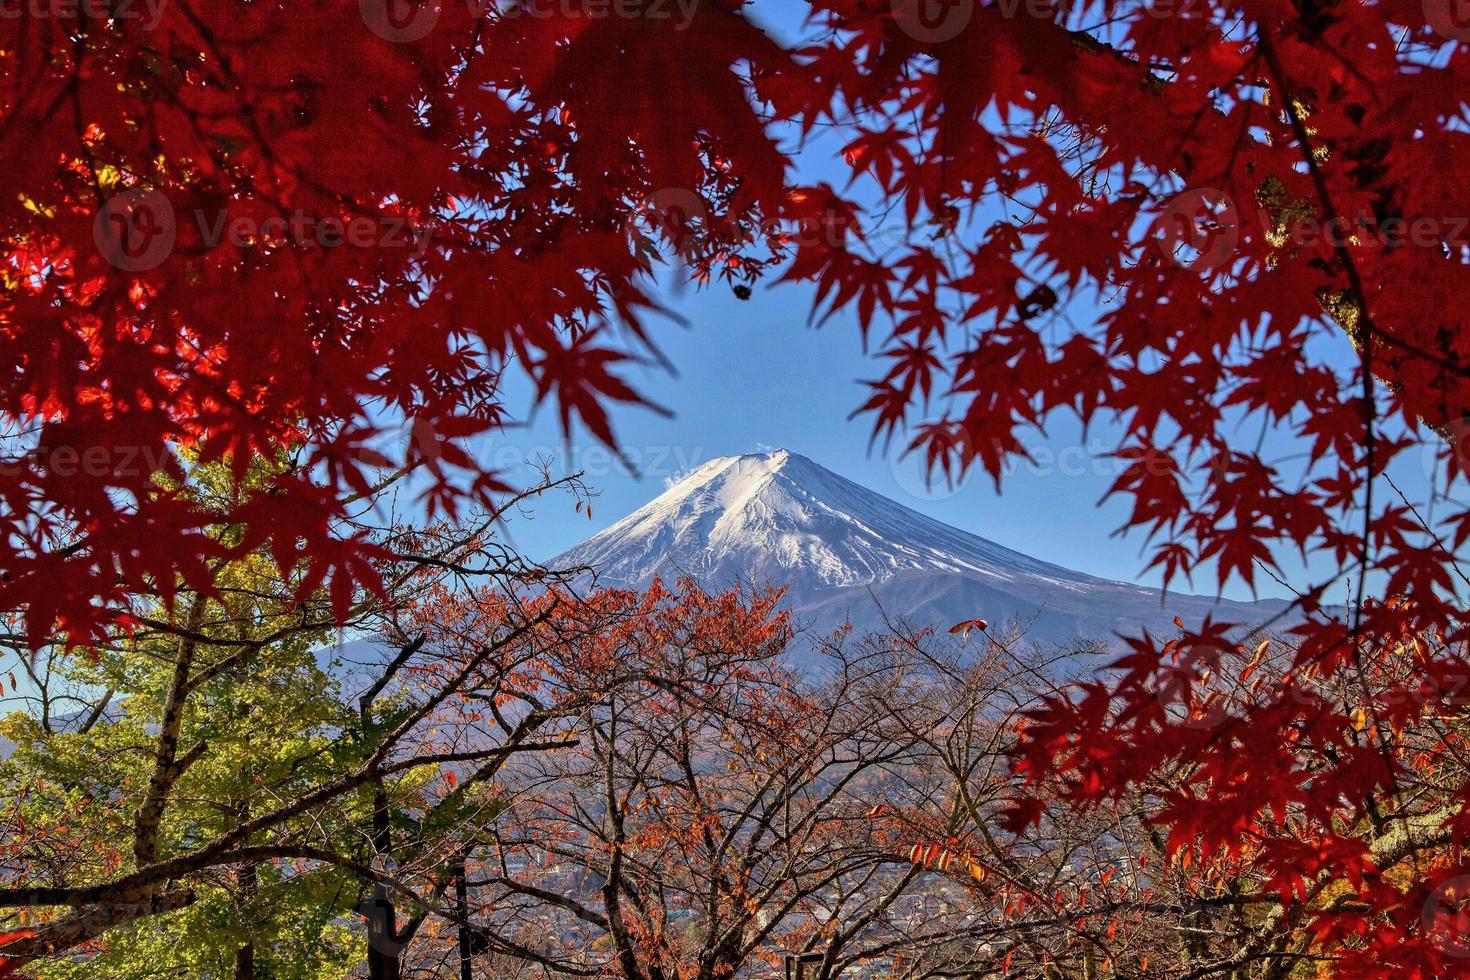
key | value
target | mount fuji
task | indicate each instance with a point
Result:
(846, 553)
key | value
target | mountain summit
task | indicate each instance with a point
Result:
(846, 552)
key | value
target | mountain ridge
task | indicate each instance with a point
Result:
(848, 553)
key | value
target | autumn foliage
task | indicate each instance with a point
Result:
(234, 230)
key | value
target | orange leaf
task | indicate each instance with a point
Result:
(963, 629)
(9, 964)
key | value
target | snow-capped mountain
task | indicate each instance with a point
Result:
(847, 552)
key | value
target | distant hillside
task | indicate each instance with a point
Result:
(847, 552)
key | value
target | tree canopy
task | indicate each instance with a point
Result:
(237, 232)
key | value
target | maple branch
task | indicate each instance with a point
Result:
(1364, 344)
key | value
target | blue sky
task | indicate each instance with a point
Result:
(753, 375)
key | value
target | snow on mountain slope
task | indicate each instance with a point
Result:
(847, 552)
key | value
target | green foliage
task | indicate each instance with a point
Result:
(271, 727)
(269, 721)
(298, 929)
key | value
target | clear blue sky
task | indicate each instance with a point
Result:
(752, 375)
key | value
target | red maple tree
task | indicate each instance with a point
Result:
(232, 228)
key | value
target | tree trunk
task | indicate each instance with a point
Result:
(462, 903)
(245, 962)
(382, 937)
(383, 944)
(245, 955)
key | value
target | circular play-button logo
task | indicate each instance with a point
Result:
(933, 21)
(1446, 917)
(1449, 18)
(135, 230)
(400, 21)
(1199, 229)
